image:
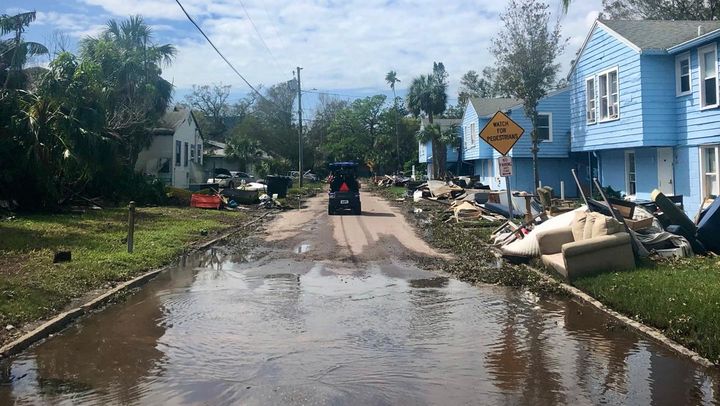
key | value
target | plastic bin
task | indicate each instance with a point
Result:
(278, 185)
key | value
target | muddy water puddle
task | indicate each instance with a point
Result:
(277, 331)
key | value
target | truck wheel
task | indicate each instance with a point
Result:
(330, 211)
(357, 210)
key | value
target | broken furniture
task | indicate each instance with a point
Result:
(593, 243)
(550, 204)
(708, 229)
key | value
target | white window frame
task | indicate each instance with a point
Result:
(627, 171)
(703, 184)
(550, 127)
(588, 100)
(701, 77)
(678, 74)
(472, 134)
(607, 73)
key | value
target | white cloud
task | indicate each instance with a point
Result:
(347, 44)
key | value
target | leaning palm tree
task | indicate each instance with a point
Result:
(391, 78)
(14, 52)
(427, 95)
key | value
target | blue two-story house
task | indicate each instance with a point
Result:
(554, 158)
(645, 107)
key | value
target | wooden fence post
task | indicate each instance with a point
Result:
(131, 227)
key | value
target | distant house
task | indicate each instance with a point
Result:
(554, 158)
(216, 156)
(175, 155)
(646, 107)
(425, 151)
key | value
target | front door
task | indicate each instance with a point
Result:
(665, 171)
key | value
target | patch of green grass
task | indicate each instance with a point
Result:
(681, 298)
(32, 287)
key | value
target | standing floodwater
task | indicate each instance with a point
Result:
(294, 328)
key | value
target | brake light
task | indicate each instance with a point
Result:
(344, 187)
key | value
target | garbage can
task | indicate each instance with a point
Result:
(278, 185)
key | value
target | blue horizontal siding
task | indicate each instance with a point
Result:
(603, 51)
(557, 105)
(658, 90)
(696, 126)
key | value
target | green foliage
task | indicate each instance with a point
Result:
(78, 130)
(679, 297)
(526, 48)
(428, 95)
(33, 287)
(14, 52)
(660, 9)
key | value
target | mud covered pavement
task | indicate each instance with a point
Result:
(334, 310)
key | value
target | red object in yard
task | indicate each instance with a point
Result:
(344, 187)
(205, 201)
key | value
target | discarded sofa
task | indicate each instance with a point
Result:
(593, 243)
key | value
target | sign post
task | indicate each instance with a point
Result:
(502, 133)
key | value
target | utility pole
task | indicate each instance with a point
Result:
(300, 132)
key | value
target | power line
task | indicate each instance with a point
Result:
(223, 56)
(259, 35)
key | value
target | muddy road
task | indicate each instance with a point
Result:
(334, 310)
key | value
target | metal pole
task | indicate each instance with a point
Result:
(300, 143)
(131, 227)
(509, 196)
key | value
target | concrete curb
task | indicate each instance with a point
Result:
(66, 318)
(651, 332)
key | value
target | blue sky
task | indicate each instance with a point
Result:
(344, 46)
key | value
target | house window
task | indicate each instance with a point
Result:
(178, 151)
(192, 152)
(186, 154)
(707, 57)
(472, 134)
(609, 106)
(544, 127)
(590, 100)
(709, 160)
(466, 131)
(682, 72)
(630, 184)
(199, 154)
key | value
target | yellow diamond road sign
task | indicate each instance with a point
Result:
(501, 133)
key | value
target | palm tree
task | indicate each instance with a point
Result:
(131, 65)
(14, 52)
(566, 5)
(427, 95)
(391, 78)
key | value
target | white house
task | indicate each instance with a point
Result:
(176, 153)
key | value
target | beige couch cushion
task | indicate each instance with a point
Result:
(578, 225)
(589, 222)
(604, 225)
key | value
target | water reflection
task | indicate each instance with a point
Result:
(221, 331)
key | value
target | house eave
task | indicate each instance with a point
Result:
(695, 42)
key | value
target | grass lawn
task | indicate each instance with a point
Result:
(32, 287)
(681, 297)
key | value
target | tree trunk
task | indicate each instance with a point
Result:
(534, 150)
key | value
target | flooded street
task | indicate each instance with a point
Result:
(332, 310)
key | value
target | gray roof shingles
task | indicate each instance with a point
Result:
(487, 106)
(659, 35)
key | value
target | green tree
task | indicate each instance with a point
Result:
(661, 9)
(526, 48)
(428, 95)
(275, 113)
(15, 51)
(212, 103)
(391, 79)
(137, 95)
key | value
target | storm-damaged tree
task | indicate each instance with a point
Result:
(212, 104)
(136, 95)
(526, 49)
(15, 51)
(428, 95)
